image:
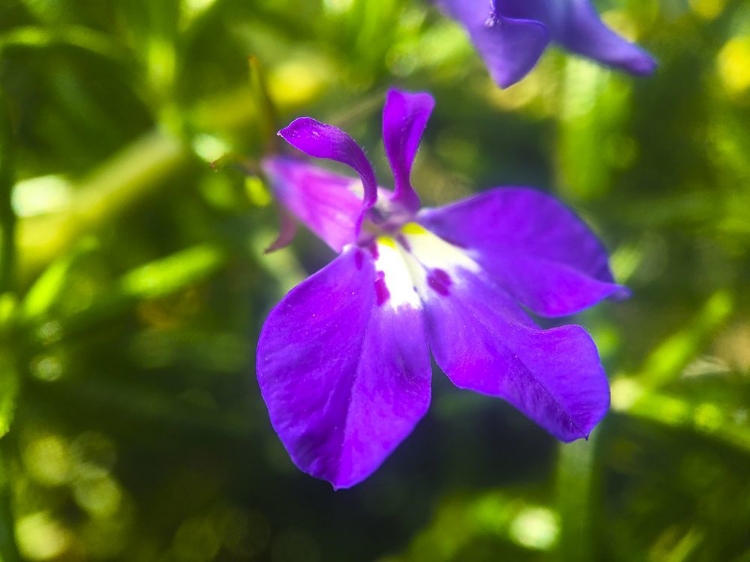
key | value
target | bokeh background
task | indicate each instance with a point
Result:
(133, 284)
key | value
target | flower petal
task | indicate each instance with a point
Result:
(405, 117)
(509, 46)
(328, 204)
(287, 231)
(554, 377)
(537, 249)
(584, 33)
(484, 342)
(576, 25)
(326, 141)
(344, 368)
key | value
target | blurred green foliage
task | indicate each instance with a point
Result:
(133, 284)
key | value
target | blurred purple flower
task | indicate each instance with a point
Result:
(344, 359)
(511, 35)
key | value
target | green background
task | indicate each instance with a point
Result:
(133, 284)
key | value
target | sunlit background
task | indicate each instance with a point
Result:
(133, 284)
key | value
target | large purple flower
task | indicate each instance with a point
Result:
(512, 34)
(344, 359)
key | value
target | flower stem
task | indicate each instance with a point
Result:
(8, 548)
(576, 486)
(7, 216)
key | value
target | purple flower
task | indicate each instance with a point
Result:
(512, 34)
(344, 359)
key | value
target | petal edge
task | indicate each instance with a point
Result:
(535, 247)
(345, 380)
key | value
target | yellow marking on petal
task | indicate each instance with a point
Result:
(414, 229)
(434, 252)
(386, 241)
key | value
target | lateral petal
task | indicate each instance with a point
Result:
(328, 204)
(484, 342)
(405, 117)
(536, 248)
(343, 367)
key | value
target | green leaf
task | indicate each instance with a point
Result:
(8, 389)
(50, 284)
(156, 279)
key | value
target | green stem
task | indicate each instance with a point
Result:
(269, 115)
(576, 488)
(118, 183)
(7, 216)
(8, 548)
(9, 382)
(128, 176)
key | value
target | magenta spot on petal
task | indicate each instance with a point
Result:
(358, 258)
(439, 281)
(373, 251)
(381, 291)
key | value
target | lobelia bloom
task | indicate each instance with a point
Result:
(343, 360)
(511, 35)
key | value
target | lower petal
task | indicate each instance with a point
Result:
(344, 374)
(484, 342)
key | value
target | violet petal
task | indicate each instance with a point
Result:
(321, 140)
(509, 46)
(536, 248)
(585, 33)
(554, 377)
(483, 341)
(405, 117)
(345, 379)
(328, 204)
(287, 230)
(576, 25)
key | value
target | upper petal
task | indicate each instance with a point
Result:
(484, 342)
(537, 249)
(510, 46)
(343, 366)
(576, 25)
(328, 204)
(405, 117)
(326, 141)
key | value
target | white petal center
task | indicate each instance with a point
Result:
(418, 266)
